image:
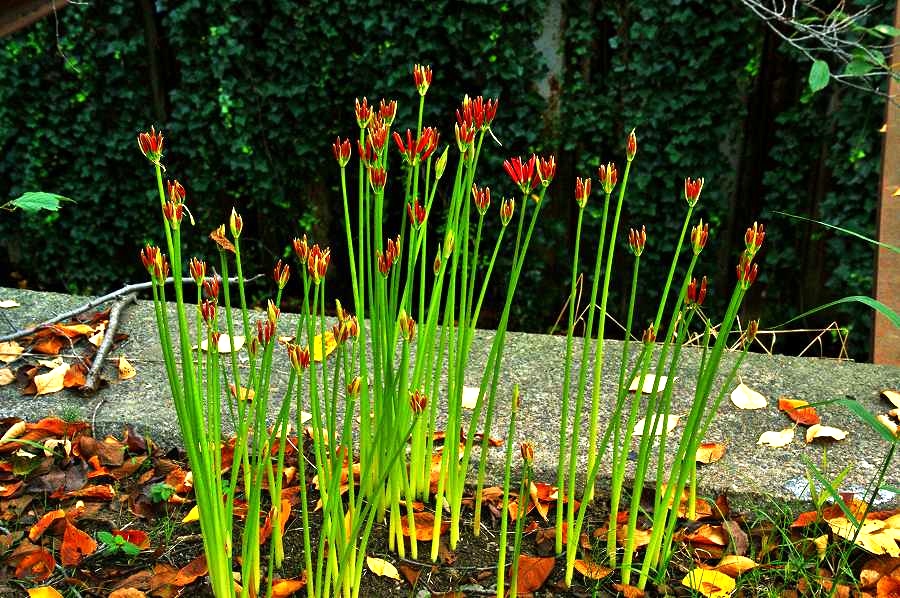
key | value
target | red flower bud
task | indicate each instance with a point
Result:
(631, 146)
(746, 271)
(301, 249)
(208, 310)
(378, 133)
(422, 78)
(637, 241)
(407, 326)
(436, 266)
(699, 237)
(750, 334)
(465, 135)
(151, 145)
(754, 238)
(481, 198)
(198, 270)
(608, 177)
(173, 213)
(546, 170)
(175, 192)
(353, 387)
(341, 150)
(522, 174)
(527, 450)
(366, 153)
(377, 179)
(696, 295)
(299, 356)
(281, 274)
(236, 223)
(387, 111)
(649, 335)
(211, 287)
(582, 191)
(416, 213)
(149, 256)
(692, 190)
(417, 402)
(363, 113)
(507, 207)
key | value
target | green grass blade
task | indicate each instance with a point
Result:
(870, 420)
(875, 304)
(843, 230)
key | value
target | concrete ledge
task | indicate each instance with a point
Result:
(747, 472)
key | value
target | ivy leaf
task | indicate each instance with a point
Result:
(35, 201)
(819, 75)
(858, 66)
(887, 30)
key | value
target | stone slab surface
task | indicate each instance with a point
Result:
(749, 473)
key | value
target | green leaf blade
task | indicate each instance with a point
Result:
(819, 75)
(35, 201)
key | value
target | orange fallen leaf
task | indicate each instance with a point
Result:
(282, 588)
(37, 530)
(628, 591)
(711, 535)
(592, 570)
(126, 370)
(190, 572)
(101, 492)
(424, 524)
(44, 592)
(734, 565)
(710, 452)
(75, 546)
(135, 536)
(38, 565)
(533, 572)
(798, 410)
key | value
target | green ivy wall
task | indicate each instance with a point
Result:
(251, 95)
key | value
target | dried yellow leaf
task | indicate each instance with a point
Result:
(6, 376)
(777, 439)
(51, 363)
(893, 396)
(734, 565)
(745, 397)
(44, 592)
(193, 515)
(14, 431)
(330, 345)
(469, 397)
(52, 381)
(126, 370)
(668, 425)
(710, 583)
(10, 351)
(875, 536)
(647, 386)
(820, 431)
(382, 567)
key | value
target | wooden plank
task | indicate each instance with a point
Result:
(886, 337)
(17, 14)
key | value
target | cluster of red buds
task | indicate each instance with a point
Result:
(696, 295)
(419, 150)
(197, 268)
(637, 240)
(417, 401)
(236, 223)
(407, 326)
(377, 179)
(155, 262)
(364, 113)
(387, 111)
(416, 213)
(750, 333)
(481, 196)
(208, 310)
(173, 210)
(465, 136)
(608, 177)
(265, 331)
(692, 190)
(354, 386)
(218, 236)
(422, 78)
(211, 287)
(699, 237)
(582, 191)
(754, 238)
(746, 271)
(299, 356)
(527, 451)
(507, 207)
(476, 114)
(317, 261)
(378, 134)
(522, 173)
(546, 170)
(649, 335)
(341, 150)
(366, 153)
(631, 146)
(281, 274)
(301, 248)
(390, 256)
(151, 145)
